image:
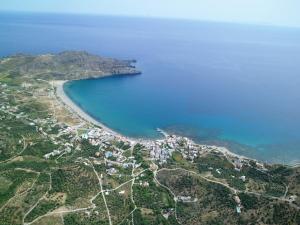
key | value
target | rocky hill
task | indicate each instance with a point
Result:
(68, 65)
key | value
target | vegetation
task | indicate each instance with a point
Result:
(51, 175)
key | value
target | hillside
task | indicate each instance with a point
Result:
(68, 65)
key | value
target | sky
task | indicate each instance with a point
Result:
(271, 12)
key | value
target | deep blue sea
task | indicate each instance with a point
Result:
(228, 84)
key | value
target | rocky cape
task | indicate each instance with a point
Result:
(67, 65)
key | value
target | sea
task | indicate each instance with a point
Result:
(233, 85)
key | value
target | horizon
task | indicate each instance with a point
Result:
(139, 112)
(150, 18)
(282, 13)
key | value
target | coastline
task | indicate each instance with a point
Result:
(71, 106)
(68, 103)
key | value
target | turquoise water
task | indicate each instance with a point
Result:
(229, 84)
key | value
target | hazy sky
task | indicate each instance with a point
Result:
(276, 12)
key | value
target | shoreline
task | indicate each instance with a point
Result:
(73, 108)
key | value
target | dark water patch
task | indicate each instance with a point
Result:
(211, 137)
(271, 153)
(194, 133)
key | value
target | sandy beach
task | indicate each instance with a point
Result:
(71, 106)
